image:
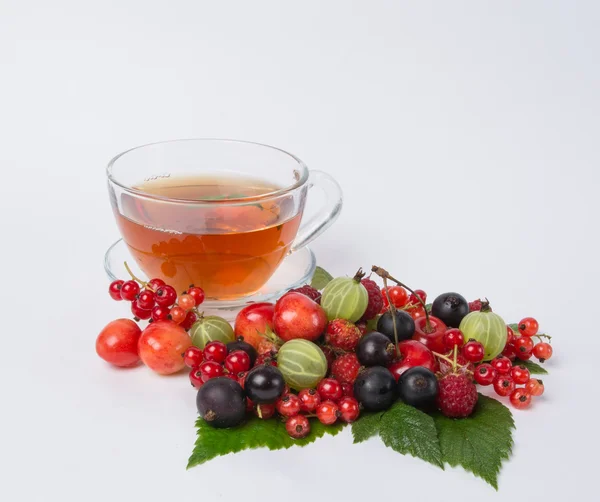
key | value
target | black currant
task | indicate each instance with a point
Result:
(375, 388)
(375, 349)
(450, 308)
(221, 402)
(418, 387)
(264, 384)
(405, 325)
(240, 344)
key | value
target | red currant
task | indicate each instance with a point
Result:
(264, 411)
(453, 337)
(509, 352)
(473, 351)
(520, 399)
(146, 299)
(504, 385)
(535, 387)
(349, 409)
(510, 335)
(237, 361)
(523, 347)
(413, 298)
(328, 412)
(139, 312)
(485, 374)
(154, 284)
(114, 290)
(309, 400)
(160, 313)
(330, 388)
(197, 294)
(165, 296)
(543, 351)
(178, 315)
(129, 290)
(231, 376)
(348, 389)
(192, 357)
(502, 365)
(211, 369)
(417, 313)
(189, 320)
(196, 378)
(398, 295)
(520, 374)
(297, 427)
(242, 378)
(288, 405)
(528, 326)
(216, 351)
(186, 302)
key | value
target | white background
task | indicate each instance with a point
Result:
(465, 137)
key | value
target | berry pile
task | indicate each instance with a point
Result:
(329, 354)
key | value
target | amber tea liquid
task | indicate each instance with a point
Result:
(229, 251)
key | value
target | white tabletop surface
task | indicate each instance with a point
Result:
(464, 134)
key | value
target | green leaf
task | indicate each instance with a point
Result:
(406, 429)
(403, 429)
(478, 443)
(428, 308)
(534, 368)
(255, 433)
(372, 323)
(320, 278)
(514, 327)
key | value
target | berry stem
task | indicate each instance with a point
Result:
(393, 311)
(442, 356)
(137, 279)
(455, 358)
(540, 335)
(384, 274)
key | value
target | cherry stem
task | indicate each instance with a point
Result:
(384, 274)
(393, 311)
(136, 279)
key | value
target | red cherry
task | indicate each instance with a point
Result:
(139, 312)
(297, 427)
(114, 290)
(327, 412)
(252, 321)
(297, 316)
(210, 369)
(330, 388)
(197, 294)
(412, 353)
(432, 337)
(349, 409)
(216, 351)
(502, 365)
(192, 357)
(237, 361)
(196, 378)
(165, 296)
(288, 405)
(309, 400)
(117, 343)
(129, 290)
(473, 351)
(453, 337)
(485, 374)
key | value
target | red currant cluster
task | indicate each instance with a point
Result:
(402, 299)
(157, 301)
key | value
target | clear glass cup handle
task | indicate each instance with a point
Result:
(315, 226)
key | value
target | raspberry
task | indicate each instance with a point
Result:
(329, 355)
(362, 327)
(309, 291)
(476, 306)
(457, 396)
(342, 334)
(375, 300)
(345, 368)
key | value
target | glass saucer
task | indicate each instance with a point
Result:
(296, 270)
